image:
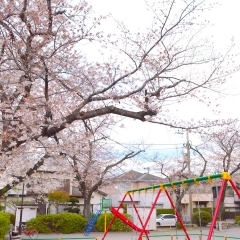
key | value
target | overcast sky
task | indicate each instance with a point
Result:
(224, 20)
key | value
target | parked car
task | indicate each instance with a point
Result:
(166, 220)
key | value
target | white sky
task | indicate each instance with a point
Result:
(225, 21)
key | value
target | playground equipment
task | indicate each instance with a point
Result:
(163, 187)
(127, 221)
(104, 206)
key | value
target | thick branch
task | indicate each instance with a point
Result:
(78, 115)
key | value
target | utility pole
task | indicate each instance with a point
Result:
(189, 173)
(147, 169)
(21, 213)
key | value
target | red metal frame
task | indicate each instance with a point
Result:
(225, 178)
(143, 226)
(150, 213)
(114, 217)
(235, 188)
(224, 182)
(178, 216)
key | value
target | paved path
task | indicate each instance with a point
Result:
(162, 234)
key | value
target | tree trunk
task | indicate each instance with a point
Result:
(87, 207)
(179, 207)
(57, 209)
(179, 195)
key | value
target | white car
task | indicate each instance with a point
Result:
(166, 220)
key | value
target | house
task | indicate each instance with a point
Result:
(135, 180)
(231, 201)
(202, 195)
(73, 191)
(205, 196)
(14, 197)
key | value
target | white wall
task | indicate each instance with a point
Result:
(27, 213)
(143, 213)
(142, 200)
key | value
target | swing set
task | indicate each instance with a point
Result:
(225, 176)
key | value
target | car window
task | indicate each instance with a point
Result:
(169, 216)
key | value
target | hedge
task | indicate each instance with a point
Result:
(117, 226)
(58, 223)
(164, 211)
(4, 224)
(237, 220)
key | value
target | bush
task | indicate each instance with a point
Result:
(205, 218)
(206, 209)
(74, 210)
(72, 206)
(117, 226)
(178, 225)
(237, 220)
(12, 218)
(165, 211)
(1, 208)
(4, 225)
(58, 223)
(210, 210)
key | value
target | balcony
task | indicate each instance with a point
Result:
(236, 199)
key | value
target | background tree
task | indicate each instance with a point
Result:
(221, 148)
(185, 167)
(57, 197)
(48, 82)
(95, 161)
(73, 205)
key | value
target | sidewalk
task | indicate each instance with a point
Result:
(163, 234)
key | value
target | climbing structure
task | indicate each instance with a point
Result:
(92, 220)
(163, 187)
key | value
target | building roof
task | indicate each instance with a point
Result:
(134, 176)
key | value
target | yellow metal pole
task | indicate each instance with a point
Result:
(105, 221)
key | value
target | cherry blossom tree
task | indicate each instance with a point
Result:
(86, 159)
(49, 84)
(221, 149)
(94, 162)
(178, 169)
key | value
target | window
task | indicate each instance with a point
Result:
(124, 186)
(159, 206)
(169, 216)
(229, 192)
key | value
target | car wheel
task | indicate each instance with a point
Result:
(158, 224)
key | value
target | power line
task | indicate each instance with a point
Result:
(146, 144)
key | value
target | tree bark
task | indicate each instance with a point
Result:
(87, 207)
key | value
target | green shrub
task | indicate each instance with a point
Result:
(206, 209)
(210, 210)
(165, 211)
(205, 218)
(178, 225)
(4, 225)
(1, 208)
(12, 218)
(72, 206)
(117, 226)
(74, 210)
(124, 207)
(58, 223)
(237, 220)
